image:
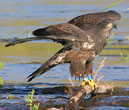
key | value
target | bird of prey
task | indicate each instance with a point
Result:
(83, 38)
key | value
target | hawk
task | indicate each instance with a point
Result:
(83, 38)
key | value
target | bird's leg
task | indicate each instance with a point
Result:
(90, 81)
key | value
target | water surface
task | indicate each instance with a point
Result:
(20, 17)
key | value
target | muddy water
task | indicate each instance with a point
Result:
(20, 17)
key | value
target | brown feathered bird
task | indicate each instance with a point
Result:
(83, 38)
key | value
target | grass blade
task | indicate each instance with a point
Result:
(113, 4)
(1, 65)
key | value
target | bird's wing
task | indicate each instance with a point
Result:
(17, 41)
(61, 33)
(83, 21)
(71, 31)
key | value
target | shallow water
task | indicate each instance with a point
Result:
(17, 17)
(20, 18)
(30, 56)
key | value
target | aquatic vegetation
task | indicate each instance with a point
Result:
(1, 82)
(30, 99)
(1, 65)
(39, 52)
(126, 58)
(111, 38)
(28, 33)
(1, 79)
(11, 97)
(113, 4)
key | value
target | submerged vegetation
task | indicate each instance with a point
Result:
(1, 65)
(124, 57)
(117, 99)
(1, 82)
(1, 79)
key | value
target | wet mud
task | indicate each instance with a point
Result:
(57, 97)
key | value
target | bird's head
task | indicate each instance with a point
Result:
(108, 25)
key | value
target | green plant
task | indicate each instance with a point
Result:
(113, 4)
(35, 106)
(11, 97)
(1, 82)
(30, 99)
(1, 79)
(28, 33)
(111, 38)
(125, 58)
(1, 65)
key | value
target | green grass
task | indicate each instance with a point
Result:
(30, 99)
(1, 65)
(1, 82)
(125, 58)
(113, 4)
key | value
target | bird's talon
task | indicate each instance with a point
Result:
(91, 82)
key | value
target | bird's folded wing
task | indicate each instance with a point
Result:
(61, 32)
(94, 18)
(17, 41)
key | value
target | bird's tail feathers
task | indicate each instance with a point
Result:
(38, 72)
(45, 67)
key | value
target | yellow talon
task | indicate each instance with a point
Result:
(83, 83)
(91, 83)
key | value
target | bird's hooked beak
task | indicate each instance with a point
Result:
(114, 25)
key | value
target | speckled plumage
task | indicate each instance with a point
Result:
(79, 52)
(83, 38)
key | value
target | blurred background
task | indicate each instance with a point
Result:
(18, 18)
